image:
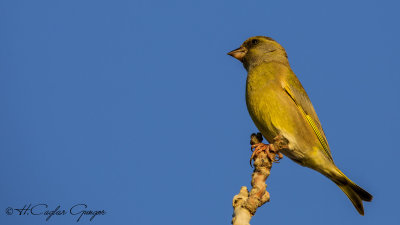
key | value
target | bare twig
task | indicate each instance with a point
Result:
(245, 204)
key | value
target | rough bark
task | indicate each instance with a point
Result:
(245, 204)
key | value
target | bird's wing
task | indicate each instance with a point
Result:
(299, 96)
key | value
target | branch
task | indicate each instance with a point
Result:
(245, 204)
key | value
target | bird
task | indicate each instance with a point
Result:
(282, 111)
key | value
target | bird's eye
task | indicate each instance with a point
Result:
(254, 41)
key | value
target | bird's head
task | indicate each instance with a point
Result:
(258, 49)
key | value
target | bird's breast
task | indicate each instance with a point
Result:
(262, 104)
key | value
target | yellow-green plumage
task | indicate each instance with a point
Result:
(279, 106)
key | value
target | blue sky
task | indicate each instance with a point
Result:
(134, 107)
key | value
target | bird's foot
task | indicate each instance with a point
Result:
(260, 147)
(272, 153)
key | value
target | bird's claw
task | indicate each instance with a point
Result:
(272, 154)
(257, 149)
(278, 157)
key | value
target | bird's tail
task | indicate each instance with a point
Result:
(354, 192)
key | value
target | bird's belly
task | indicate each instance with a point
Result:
(263, 114)
(274, 115)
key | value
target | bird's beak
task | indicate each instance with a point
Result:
(238, 53)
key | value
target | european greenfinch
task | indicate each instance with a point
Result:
(283, 113)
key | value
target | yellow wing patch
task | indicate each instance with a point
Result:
(309, 119)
